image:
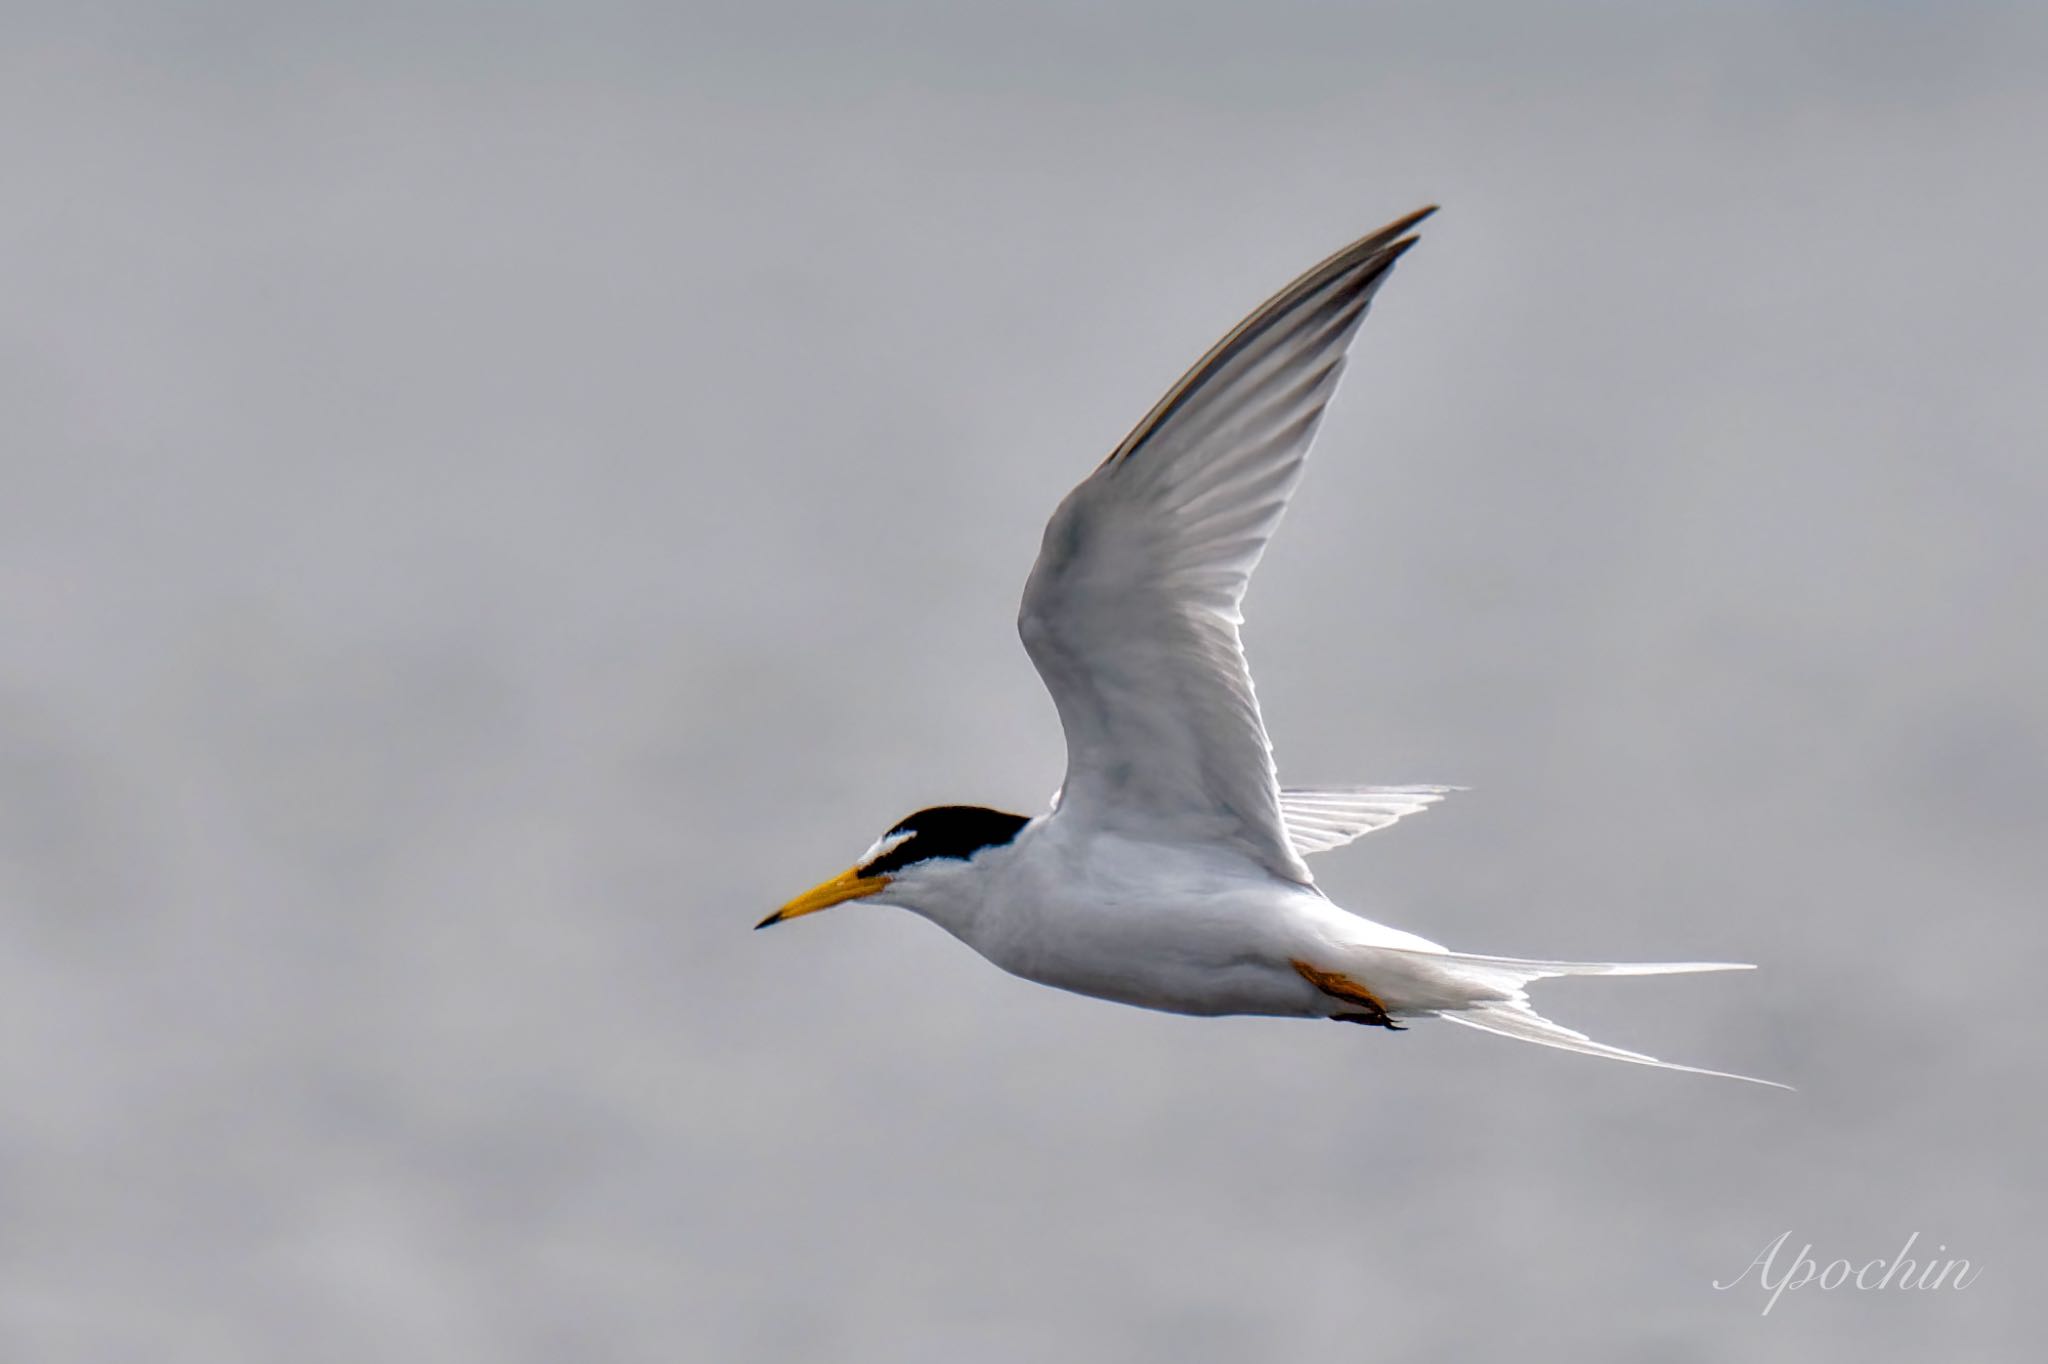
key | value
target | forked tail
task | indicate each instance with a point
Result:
(1498, 1002)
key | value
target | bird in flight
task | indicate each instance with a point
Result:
(1169, 872)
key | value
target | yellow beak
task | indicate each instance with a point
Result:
(848, 885)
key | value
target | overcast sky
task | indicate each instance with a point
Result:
(496, 498)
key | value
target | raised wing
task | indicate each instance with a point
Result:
(1329, 817)
(1131, 613)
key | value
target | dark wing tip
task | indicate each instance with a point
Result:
(1361, 265)
(1381, 248)
(1389, 241)
(1400, 225)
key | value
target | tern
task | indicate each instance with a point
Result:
(1169, 872)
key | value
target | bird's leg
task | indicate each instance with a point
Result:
(1351, 992)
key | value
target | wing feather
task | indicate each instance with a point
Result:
(1131, 613)
(1325, 818)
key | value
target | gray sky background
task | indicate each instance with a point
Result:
(496, 498)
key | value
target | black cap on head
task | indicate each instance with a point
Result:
(958, 831)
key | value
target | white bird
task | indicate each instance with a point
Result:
(1168, 873)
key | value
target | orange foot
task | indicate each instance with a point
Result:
(1351, 992)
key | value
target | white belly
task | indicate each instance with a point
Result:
(1156, 928)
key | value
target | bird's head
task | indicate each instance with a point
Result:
(917, 864)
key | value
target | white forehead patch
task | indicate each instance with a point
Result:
(883, 846)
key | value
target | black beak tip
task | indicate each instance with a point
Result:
(772, 919)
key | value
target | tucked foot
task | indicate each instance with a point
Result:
(1377, 1019)
(1370, 1011)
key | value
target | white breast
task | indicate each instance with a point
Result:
(1174, 928)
